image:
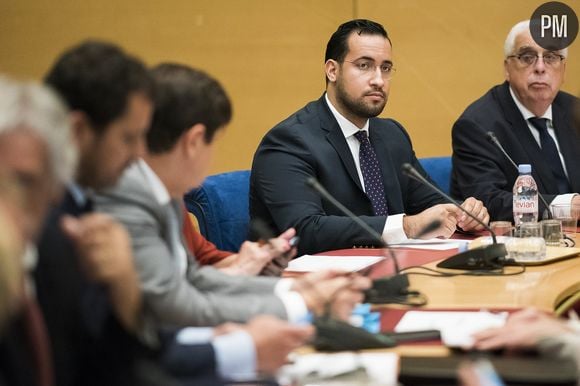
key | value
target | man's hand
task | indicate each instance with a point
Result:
(332, 291)
(104, 247)
(576, 202)
(476, 208)
(268, 259)
(250, 260)
(103, 244)
(283, 253)
(274, 340)
(446, 213)
(523, 330)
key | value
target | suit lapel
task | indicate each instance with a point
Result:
(521, 130)
(336, 138)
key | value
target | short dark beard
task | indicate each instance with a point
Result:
(357, 107)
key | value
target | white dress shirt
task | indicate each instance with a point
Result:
(393, 230)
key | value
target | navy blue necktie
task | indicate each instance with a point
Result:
(551, 155)
(372, 176)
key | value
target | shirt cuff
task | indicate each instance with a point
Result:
(296, 310)
(194, 335)
(235, 355)
(393, 231)
(563, 199)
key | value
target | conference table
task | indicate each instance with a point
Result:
(543, 287)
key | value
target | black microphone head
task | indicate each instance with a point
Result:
(429, 228)
(407, 169)
(260, 229)
(491, 137)
(311, 182)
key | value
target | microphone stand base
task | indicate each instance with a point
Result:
(388, 290)
(484, 258)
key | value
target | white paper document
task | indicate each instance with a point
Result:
(456, 327)
(432, 244)
(311, 263)
(379, 368)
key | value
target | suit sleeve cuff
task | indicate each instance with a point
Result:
(393, 231)
(235, 355)
(296, 310)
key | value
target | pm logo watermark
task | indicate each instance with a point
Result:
(554, 26)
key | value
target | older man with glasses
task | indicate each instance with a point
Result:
(532, 119)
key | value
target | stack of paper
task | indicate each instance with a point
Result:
(457, 327)
(311, 263)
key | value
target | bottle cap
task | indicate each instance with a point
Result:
(524, 168)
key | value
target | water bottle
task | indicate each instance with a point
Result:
(525, 204)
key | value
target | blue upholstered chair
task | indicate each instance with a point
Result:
(439, 168)
(221, 206)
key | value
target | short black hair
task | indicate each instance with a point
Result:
(337, 46)
(185, 97)
(98, 79)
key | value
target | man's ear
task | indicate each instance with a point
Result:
(82, 130)
(505, 68)
(331, 70)
(193, 138)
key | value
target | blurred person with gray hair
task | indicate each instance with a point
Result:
(37, 157)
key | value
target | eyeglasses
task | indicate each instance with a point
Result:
(529, 59)
(368, 67)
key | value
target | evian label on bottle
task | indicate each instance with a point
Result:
(525, 205)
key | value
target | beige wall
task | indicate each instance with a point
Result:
(269, 53)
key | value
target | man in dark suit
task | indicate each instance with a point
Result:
(532, 119)
(329, 139)
(86, 284)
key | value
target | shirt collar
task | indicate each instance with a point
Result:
(348, 128)
(527, 113)
(157, 187)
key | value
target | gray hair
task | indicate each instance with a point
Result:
(34, 107)
(510, 41)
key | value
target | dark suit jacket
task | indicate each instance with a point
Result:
(482, 171)
(310, 143)
(89, 345)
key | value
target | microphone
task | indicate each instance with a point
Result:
(387, 289)
(336, 335)
(493, 139)
(314, 184)
(481, 258)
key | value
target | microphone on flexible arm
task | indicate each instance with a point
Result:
(487, 257)
(493, 139)
(384, 290)
(336, 335)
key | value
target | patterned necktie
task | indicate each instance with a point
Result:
(372, 176)
(551, 155)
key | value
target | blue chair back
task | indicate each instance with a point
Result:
(439, 169)
(221, 206)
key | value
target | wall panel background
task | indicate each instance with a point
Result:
(269, 53)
